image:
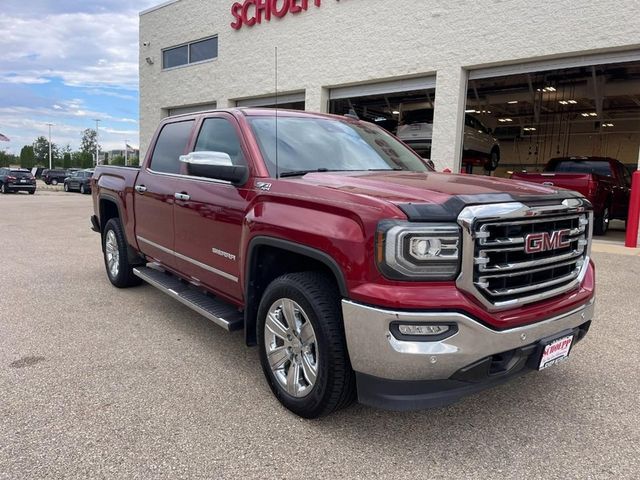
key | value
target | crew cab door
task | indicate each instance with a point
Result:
(154, 193)
(209, 213)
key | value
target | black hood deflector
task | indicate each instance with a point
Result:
(450, 210)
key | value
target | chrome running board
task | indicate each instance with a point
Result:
(219, 312)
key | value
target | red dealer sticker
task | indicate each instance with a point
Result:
(556, 352)
(251, 12)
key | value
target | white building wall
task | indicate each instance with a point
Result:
(355, 41)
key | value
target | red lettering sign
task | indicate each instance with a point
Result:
(251, 12)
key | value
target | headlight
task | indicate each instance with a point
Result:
(418, 251)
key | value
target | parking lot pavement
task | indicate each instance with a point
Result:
(97, 382)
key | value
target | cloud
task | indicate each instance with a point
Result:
(68, 62)
(82, 49)
(22, 79)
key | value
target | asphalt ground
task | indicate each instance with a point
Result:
(97, 382)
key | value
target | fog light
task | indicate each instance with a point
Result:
(423, 329)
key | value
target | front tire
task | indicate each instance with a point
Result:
(66, 187)
(4, 189)
(54, 182)
(302, 346)
(116, 260)
(82, 189)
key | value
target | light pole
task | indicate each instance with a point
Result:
(50, 125)
(97, 120)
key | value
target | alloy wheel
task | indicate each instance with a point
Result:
(113, 253)
(291, 347)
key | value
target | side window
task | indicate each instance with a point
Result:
(626, 175)
(219, 135)
(171, 143)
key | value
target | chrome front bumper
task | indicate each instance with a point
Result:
(374, 351)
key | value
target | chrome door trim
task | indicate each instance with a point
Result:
(189, 177)
(204, 266)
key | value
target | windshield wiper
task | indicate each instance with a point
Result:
(299, 173)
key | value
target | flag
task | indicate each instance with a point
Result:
(4, 138)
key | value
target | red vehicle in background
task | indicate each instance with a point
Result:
(604, 181)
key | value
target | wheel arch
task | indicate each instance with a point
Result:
(109, 208)
(268, 258)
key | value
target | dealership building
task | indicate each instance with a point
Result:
(546, 79)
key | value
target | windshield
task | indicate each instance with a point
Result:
(577, 166)
(309, 144)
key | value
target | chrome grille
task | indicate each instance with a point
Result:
(502, 274)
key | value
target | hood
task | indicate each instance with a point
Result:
(431, 195)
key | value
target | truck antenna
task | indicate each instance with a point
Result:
(277, 171)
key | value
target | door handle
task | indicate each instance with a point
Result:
(182, 196)
(140, 188)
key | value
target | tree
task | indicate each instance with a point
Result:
(7, 159)
(27, 157)
(117, 160)
(41, 152)
(88, 141)
(81, 160)
(134, 161)
(66, 160)
(86, 160)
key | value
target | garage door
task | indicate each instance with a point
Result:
(382, 88)
(558, 63)
(191, 108)
(271, 100)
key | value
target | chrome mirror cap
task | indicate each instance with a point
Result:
(218, 159)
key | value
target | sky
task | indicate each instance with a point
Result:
(68, 62)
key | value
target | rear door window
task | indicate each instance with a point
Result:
(171, 143)
(585, 166)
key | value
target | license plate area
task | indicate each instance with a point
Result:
(555, 350)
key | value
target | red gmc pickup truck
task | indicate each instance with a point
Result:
(356, 269)
(604, 181)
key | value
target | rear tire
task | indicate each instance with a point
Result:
(116, 260)
(323, 378)
(54, 182)
(494, 160)
(4, 189)
(32, 192)
(601, 222)
(82, 189)
(66, 187)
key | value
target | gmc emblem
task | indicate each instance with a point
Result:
(543, 242)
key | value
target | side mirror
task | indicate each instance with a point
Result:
(216, 165)
(430, 163)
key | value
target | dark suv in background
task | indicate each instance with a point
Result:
(16, 180)
(80, 181)
(53, 177)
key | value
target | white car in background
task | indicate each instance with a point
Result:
(480, 146)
